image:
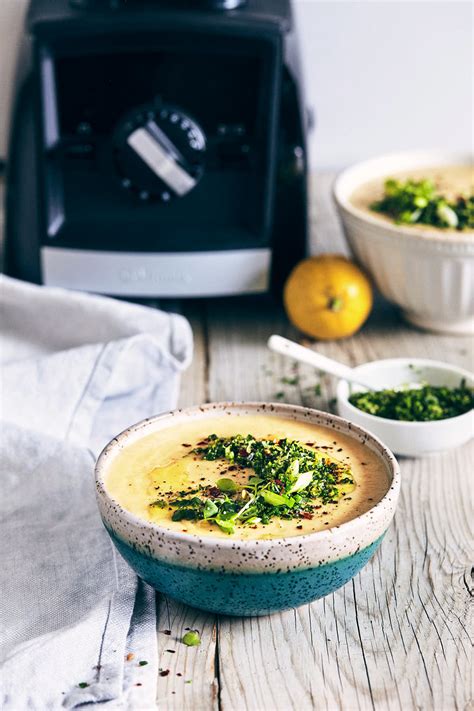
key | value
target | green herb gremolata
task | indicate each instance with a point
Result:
(289, 481)
(416, 404)
(417, 202)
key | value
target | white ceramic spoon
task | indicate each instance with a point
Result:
(305, 355)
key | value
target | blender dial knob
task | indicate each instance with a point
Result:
(159, 152)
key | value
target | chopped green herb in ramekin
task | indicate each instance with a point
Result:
(423, 404)
(411, 202)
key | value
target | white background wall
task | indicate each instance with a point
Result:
(380, 75)
(386, 76)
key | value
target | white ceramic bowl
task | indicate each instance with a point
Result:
(409, 438)
(429, 273)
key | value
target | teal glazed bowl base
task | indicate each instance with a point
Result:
(245, 594)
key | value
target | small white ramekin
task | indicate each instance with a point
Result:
(428, 273)
(411, 439)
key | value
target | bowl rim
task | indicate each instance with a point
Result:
(387, 457)
(404, 424)
(423, 158)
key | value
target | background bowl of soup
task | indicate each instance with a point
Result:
(257, 570)
(427, 271)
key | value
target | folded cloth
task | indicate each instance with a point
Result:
(75, 622)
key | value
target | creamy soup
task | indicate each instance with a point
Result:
(164, 464)
(451, 181)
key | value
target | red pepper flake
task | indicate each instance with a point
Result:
(214, 492)
(138, 683)
(299, 527)
(185, 444)
(243, 453)
(171, 651)
(339, 450)
(232, 468)
(129, 657)
(306, 514)
(203, 442)
(166, 631)
(178, 674)
(164, 672)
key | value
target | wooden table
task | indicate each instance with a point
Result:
(396, 636)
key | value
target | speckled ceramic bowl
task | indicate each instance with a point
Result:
(236, 577)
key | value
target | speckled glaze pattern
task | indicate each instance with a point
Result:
(238, 577)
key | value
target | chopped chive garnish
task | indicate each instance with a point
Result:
(191, 639)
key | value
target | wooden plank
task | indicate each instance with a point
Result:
(193, 389)
(187, 681)
(186, 677)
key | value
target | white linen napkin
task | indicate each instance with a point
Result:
(76, 370)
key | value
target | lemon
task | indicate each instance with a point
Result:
(327, 297)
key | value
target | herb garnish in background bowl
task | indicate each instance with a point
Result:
(417, 406)
(412, 202)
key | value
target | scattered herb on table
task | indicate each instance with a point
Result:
(83, 685)
(418, 202)
(142, 663)
(289, 481)
(416, 404)
(191, 639)
(290, 381)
